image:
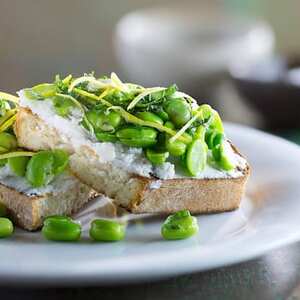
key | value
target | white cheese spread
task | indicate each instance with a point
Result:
(60, 184)
(156, 184)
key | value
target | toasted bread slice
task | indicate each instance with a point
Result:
(29, 210)
(136, 193)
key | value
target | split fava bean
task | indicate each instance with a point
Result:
(178, 111)
(162, 114)
(156, 157)
(106, 137)
(61, 160)
(8, 142)
(170, 125)
(176, 148)
(221, 157)
(107, 230)
(196, 157)
(200, 133)
(216, 122)
(18, 165)
(103, 121)
(39, 170)
(149, 116)
(44, 165)
(6, 228)
(61, 228)
(137, 136)
(213, 138)
(180, 225)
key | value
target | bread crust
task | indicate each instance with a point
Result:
(198, 195)
(133, 192)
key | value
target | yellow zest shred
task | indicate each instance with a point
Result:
(198, 113)
(8, 115)
(145, 93)
(82, 79)
(134, 120)
(118, 83)
(185, 127)
(76, 102)
(9, 97)
(129, 117)
(184, 95)
(67, 78)
(8, 123)
(92, 96)
(16, 154)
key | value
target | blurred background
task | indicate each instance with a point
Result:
(243, 56)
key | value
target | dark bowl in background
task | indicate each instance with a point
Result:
(272, 89)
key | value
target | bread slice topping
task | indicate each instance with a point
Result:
(152, 150)
(137, 129)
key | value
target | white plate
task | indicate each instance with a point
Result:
(268, 218)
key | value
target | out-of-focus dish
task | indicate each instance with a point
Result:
(272, 88)
(192, 45)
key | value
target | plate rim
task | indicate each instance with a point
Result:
(150, 270)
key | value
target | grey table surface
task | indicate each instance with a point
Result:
(273, 276)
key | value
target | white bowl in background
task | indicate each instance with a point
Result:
(191, 45)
